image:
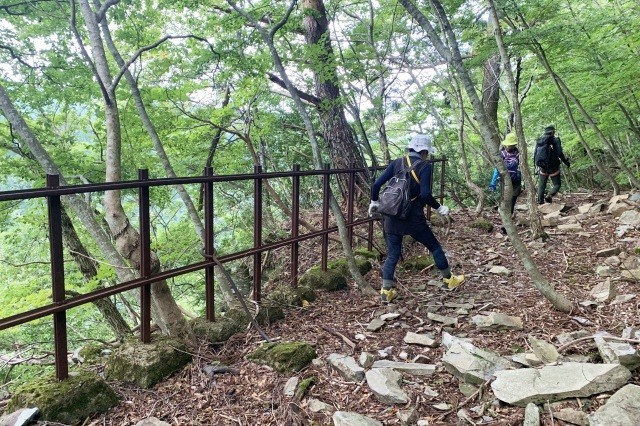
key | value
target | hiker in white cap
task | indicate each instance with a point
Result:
(415, 223)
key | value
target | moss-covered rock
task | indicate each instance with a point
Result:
(68, 401)
(218, 331)
(284, 295)
(365, 253)
(317, 279)
(146, 364)
(482, 223)
(342, 267)
(285, 357)
(267, 314)
(417, 263)
(92, 353)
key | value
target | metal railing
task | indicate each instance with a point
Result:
(61, 304)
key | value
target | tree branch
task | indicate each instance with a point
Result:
(103, 9)
(143, 49)
(303, 95)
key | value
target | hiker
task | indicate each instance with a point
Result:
(416, 223)
(511, 157)
(547, 158)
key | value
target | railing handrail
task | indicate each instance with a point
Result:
(25, 194)
(61, 304)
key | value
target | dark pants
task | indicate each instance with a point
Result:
(517, 190)
(394, 248)
(542, 185)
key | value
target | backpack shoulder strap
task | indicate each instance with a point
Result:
(412, 167)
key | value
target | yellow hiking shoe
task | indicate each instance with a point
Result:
(453, 281)
(387, 295)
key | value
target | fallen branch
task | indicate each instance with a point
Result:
(583, 339)
(344, 338)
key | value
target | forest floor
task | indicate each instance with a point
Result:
(255, 395)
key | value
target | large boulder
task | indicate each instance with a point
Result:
(146, 364)
(330, 280)
(285, 295)
(68, 401)
(341, 266)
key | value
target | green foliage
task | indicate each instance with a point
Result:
(392, 82)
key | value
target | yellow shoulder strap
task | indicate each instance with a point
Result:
(413, 172)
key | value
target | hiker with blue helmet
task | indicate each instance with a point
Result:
(415, 223)
(547, 156)
(511, 157)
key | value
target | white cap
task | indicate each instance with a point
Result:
(421, 143)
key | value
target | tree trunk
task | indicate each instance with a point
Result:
(159, 148)
(463, 151)
(452, 55)
(89, 269)
(165, 310)
(491, 89)
(267, 37)
(534, 216)
(337, 131)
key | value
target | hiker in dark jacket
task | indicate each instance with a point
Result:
(511, 157)
(416, 223)
(547, 156)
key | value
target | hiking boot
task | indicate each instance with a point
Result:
(548, 199)
(387, 295)
(453, 281)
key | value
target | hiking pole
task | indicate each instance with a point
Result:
(234, 288)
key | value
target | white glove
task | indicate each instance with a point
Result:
(443, 210)
(373, 207)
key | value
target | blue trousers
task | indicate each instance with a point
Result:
(394, 248)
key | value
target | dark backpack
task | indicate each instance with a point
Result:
(546, 156)
(395, 198)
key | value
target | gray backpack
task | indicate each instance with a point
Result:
(395, 199)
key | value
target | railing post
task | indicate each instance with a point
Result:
(145, 257)
(209, 275)
(295, 222)
(257, 233)
(326, 190)
(54, 210)
(350, 204)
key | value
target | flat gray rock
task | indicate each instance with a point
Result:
(472, 364)
(347, 367)
(544, 351)
(346, 418)
(20, 417)
(497, 321)
(385, 385)
(420, 339)
(572, 416)
(411, 368)
(622, 409)
(557, 382)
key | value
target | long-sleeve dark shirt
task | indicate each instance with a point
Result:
(420, 193)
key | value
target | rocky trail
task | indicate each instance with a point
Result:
(476, 355)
